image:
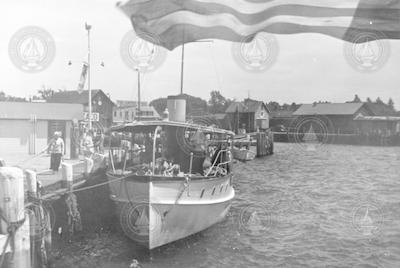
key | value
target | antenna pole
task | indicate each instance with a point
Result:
(138, 79)
(88, 27)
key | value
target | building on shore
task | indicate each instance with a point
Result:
(219, 120)
(27, 127)
(129, 113)
(250, 115)
(281, 119)
(339, 117)
(102, 105)
(378, 125)
(129, 103)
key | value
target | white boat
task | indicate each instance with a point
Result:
(243, 154)
(188, 189)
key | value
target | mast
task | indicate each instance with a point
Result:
(138, 80)
(182, 65)
(88, 27)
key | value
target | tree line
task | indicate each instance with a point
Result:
(42, 94)
(217, 103)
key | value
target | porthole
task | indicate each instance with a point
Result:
(213, 191)
(220, 189)
(202, 193)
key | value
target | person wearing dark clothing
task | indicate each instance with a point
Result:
(56, 150)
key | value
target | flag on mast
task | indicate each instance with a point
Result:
(237, 20)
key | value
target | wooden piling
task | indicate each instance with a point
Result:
(12, 206)
(261, 144)
(40, 226)
(265, 143)
(31, 183)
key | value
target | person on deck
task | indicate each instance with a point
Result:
(100, 143)
(88, 147)
(56, 151)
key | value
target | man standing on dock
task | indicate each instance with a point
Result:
(57, 151)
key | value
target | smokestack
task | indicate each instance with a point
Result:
(177, 108)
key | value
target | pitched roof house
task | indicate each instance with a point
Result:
(331, 109)
(338, 117)
(101, 103)
(249, 114)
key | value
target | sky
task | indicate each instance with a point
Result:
(308, 68)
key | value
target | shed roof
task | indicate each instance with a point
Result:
(42, 111)
(72, 96)
(377, 118)
(248, 106)
(329, 109)
(281, 114)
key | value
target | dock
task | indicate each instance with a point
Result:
(27, 197)
(261, 142)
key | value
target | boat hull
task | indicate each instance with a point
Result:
(157, 211)
(243, 154)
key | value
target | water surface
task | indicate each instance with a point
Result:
(331, 206)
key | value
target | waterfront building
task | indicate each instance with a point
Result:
(219, 120)
(129, 103)
(382, 125)
(130, 113)
(102, 105)
(27, 127)
(250, 115)
(340, 115)
(281, 119)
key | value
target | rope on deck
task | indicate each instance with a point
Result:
(73, 214)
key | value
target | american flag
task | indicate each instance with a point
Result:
(174, 22)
